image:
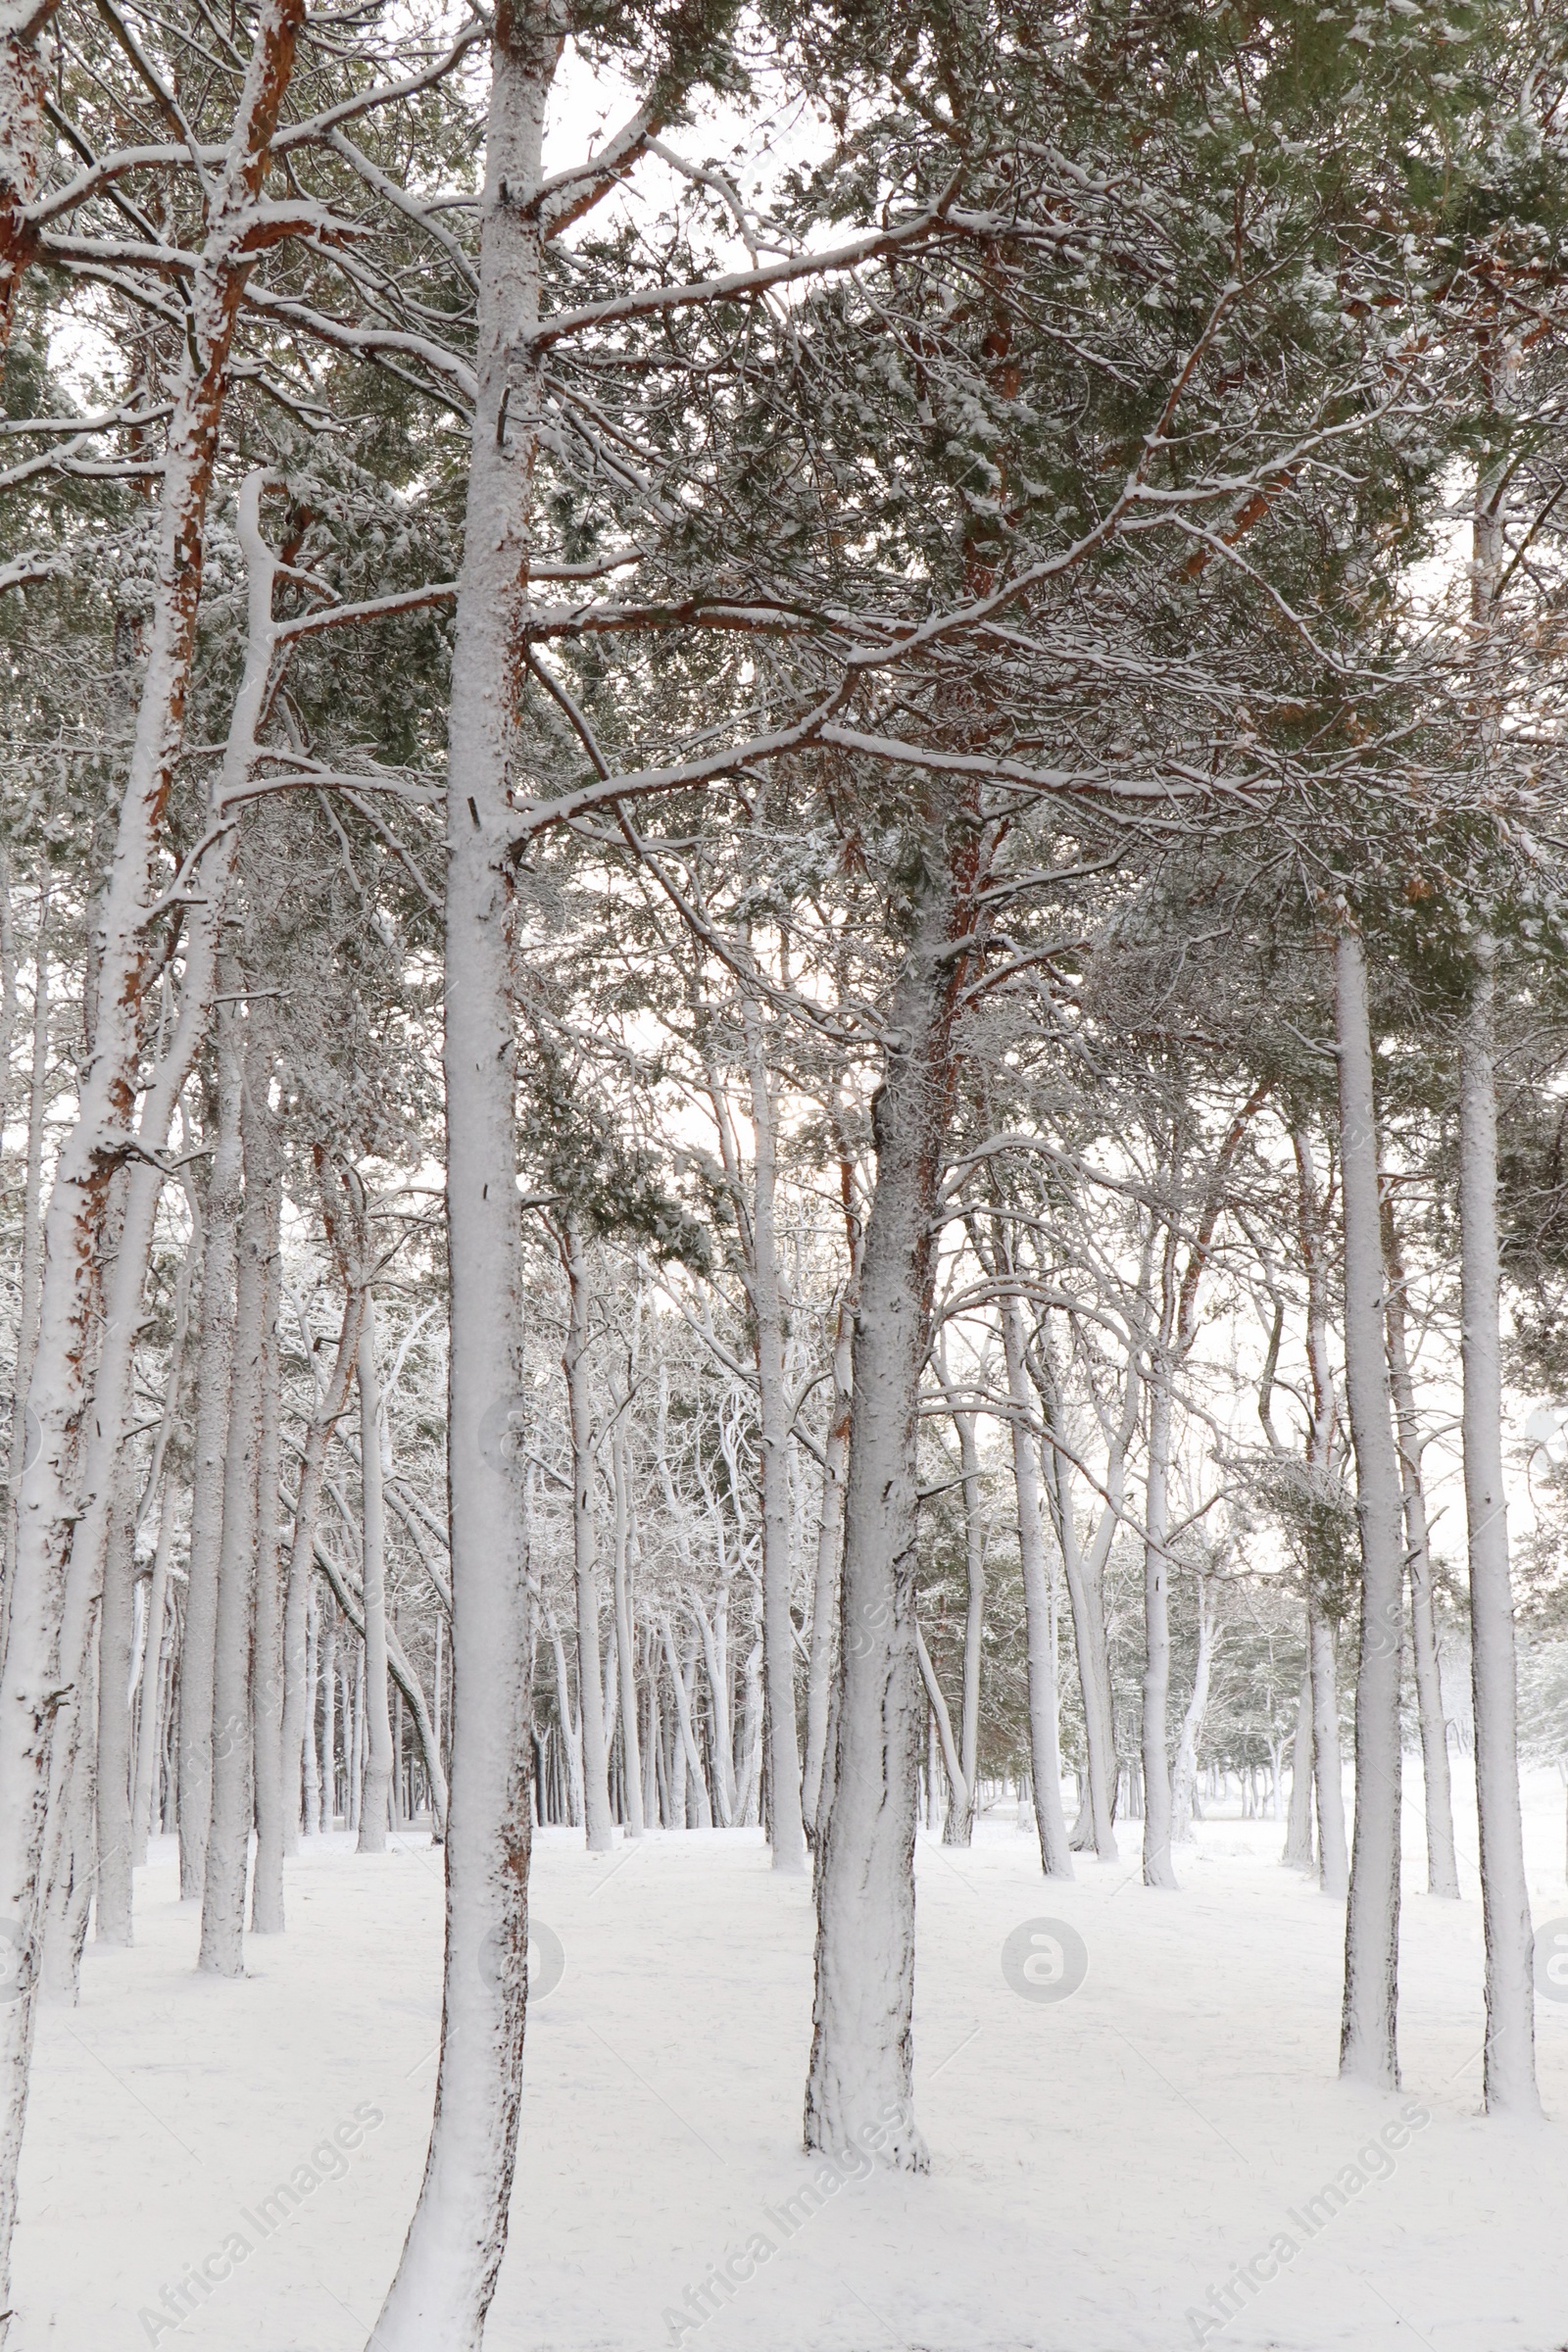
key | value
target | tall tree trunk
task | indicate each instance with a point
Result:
(787, 1821)
(264, 1175)
(377, 1794)
(49, 1500)
(1328, 1764)
(30, 1270)
(214, 1381)
(825, 1587)
(958, 1827)
(626, 1649)
(452, 2253)
(1509, 2064)
(222, 1937)
(1159, 1869)
(1443, 1870)
(591, 1709)
(312, 1772)
(861, 2045)
(1368, 2045)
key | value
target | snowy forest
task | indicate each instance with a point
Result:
(783, 1113)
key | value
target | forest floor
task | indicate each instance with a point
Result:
(1100, 2162)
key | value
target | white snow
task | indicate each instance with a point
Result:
(1098, 2164)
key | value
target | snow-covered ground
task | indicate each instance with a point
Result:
(1100, 2162)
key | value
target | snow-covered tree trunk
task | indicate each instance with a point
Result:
(1443, 1870)
(959, 1827)
(1040, 1618)
(221, 1948)
(1084, 1574)
(312, 1762)
(861, 2049)
(625, 1645)
(214, 1379)
(825, 1586)
(591, 1710)
(330, 1735)
(149, 1736)
(1159, 1869)
(29, 1270)
(24, 78)
(376, 1796)
(1297, 1854)
(1183, 1777)
(453, 2252)
(329, 1408)
(696, 1782)
(1509, 2063)
(49, 1502)
(786, 1819)
(264, 1175)
(113, 1887)
(1368, 2046)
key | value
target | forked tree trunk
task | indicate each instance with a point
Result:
(1443, 1870)
(861, 2047)
(1184, 1779)
(377, 1794)
(1039, 1623)
(1368, 2043)
(1084, 1573)
(1509, 2062)
(452, 2253)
